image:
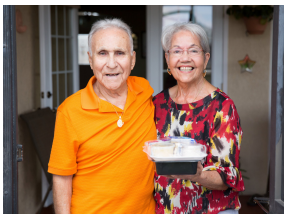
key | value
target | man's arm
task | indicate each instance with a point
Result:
(62, 192)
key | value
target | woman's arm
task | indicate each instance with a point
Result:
(62, 192)
(222, 163)
(212, 180)
(224, 145)
(209, 179)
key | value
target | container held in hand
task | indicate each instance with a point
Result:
(174, 149)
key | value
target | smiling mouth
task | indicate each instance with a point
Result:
(185, 68)
(112, 74)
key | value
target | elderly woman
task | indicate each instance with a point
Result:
(97, 161)
(195, 108)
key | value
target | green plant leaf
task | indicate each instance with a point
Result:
(263, 21)
(264, 11)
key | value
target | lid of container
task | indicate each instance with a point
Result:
(162, 144)
(181, 139)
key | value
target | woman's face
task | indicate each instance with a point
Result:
(186, 68)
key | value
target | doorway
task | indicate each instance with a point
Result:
(134, 16)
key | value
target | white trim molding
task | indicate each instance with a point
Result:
(154, 55)
(75, 32)
(45, 54)
(217, 47)
(225, 49)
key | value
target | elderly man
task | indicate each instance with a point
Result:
(97, 161)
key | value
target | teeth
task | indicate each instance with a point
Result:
(186, 68)
(112, 74)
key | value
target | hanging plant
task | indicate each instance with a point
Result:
(255, 17)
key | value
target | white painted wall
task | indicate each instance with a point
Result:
(250, 93)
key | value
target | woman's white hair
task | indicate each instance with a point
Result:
(109, 23)
(195, 29)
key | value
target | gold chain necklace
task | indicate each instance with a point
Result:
(197, 93)
(120, 122)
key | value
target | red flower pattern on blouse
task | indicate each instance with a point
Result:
(214, 122)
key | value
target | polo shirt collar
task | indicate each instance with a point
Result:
(133, 86)
(90, 100)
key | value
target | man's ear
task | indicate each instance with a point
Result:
(90, 60)
(133, 60)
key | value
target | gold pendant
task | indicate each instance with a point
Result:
(120, 123)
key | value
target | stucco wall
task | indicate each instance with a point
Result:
(250, 92)
(29, 171)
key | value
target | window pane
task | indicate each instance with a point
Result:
(54, 90)
(68, 21)
(202, 15)
(60, 20)
(53, 54)
(61, 87)
(69, 84)
(68, 54)
(83, 49)
(173, 14)
(61, 58)
(52, 18)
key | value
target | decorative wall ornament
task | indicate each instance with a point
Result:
(20, 28)
(246, 64)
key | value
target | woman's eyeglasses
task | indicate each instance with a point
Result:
(177, 52)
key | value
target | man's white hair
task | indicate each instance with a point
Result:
(109, 23)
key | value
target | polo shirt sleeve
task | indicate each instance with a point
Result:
(64, 148)
(225, 142)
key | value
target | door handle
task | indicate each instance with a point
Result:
(19, 152)
(49, 94)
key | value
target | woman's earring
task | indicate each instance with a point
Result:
(168, 71)
(204, 73)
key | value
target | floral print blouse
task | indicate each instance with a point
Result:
(214, 122)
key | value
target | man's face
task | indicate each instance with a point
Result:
(111, 59)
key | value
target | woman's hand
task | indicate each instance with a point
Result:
(209, 179)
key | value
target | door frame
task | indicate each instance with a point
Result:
(277, 115)
(10, 114)
(154, 54)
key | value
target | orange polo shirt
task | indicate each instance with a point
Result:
(111, 172)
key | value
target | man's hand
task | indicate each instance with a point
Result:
(209, 179)
(62, 192)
